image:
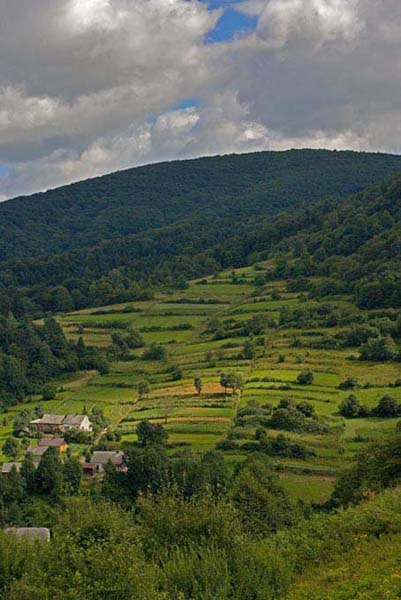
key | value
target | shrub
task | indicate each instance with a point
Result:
(305, 378)
(351, 408)
(350, 384)
(379, 349)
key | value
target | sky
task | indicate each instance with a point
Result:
(89, 87)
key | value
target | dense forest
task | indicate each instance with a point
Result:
(353, 246)
(111, 239)
(31, 355)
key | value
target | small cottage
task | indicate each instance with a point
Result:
(41, 534)
(102, 458)
(7, 467)
(59, 443)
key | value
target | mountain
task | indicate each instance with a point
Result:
(160, 223)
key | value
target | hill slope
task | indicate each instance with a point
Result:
(145, 198)
(163, 222)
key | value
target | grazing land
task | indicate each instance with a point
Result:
(184, 322)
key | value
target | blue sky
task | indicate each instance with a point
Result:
(231, 22)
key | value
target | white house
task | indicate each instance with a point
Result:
(80, 422)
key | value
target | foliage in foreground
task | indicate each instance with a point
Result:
(170, 548)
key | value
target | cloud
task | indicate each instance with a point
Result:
(184, 133)
(314, 21)
(88, 86)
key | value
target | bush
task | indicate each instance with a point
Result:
(379, 349)
(155, 352)
(350, 384)
(351, 408)
(227, 445)
(49, 392)
(305, 378)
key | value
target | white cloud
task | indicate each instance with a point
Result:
(317, 21)
(88, 86)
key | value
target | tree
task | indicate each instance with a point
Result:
(134, 339)
(351, 408)
(151, 435)
(379, 349)
(306, 408)
(11, 447)
(198, 385)
(235, 382)
(176, 373)
(148, 469)
(38, 411)
(224, 381)
(388, 407)
(214, 473)
(143, 389)
(263, 503)
(288, 420)
(28, 474)
(305, 378)
(155, 352)
(49, 474)
(249, 349)
(72, 472)
(350, 383)
(49, 392)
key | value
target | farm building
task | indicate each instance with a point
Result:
(48, 424)
(102, 458)
(7, 467)
(36, 452)
(59, 443)
(61, 423)
(30, 533)
(80, 422)
(91, 469)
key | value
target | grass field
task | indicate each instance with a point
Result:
(201, 421)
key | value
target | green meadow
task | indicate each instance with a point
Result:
(179, 321)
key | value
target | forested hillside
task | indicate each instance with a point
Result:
(142, 199)
(353, 246)
(105, 240)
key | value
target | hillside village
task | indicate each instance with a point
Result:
(47, 427)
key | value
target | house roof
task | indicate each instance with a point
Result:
(50, 420)
(52, 442)
(7, 466)
(103, 457)
(31, 533)
(36, 450)
(74, 420)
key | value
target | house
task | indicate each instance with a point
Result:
(48, 424)
(36, 452)
(80, 422)
(102, 458)
(61, 423)
(59, 443)
(8, 466)
(91, 469)
(30, 533)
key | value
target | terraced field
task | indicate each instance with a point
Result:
(181, 322)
